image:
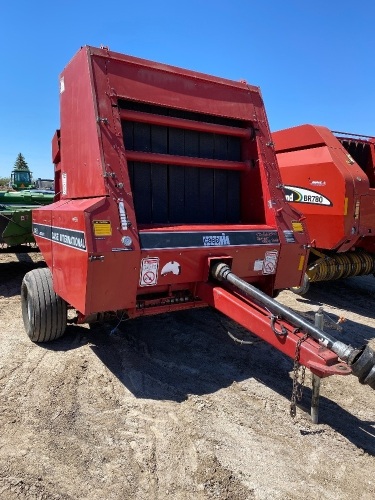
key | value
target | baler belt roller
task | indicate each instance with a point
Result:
(361, 361)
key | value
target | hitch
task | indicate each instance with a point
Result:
(360, 362)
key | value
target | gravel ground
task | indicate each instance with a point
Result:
(170, 407)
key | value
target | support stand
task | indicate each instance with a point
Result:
(319, 323)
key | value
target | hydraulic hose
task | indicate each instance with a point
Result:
(361, 361)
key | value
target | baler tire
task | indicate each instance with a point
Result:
(44, 312)
(303, 288)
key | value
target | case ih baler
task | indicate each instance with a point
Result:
(330, 177)
(171, 198)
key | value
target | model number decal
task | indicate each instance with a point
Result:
(298, 194)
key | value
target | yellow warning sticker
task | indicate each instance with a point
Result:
(102, 228)
(297, 226)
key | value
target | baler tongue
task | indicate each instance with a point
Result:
(361, 362)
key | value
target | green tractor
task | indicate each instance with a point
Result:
(21, 179)
(16, 204)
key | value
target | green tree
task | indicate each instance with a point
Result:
(20, 163)
(4, 182)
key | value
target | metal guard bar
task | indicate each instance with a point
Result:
(352, 135)
(185, 161)
(183, 123)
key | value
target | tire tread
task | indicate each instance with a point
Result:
(48, 311)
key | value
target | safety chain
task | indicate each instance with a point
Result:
(297, 390)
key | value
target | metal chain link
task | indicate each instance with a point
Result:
(297, 390)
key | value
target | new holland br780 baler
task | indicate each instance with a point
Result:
(330, 178)
(170, 198)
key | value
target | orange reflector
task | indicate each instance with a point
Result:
(297, 226)
(346, 206)
(301, 262)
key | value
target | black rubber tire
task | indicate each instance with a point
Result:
(304, 288)
(44, 313)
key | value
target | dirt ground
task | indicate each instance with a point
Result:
(170, 407)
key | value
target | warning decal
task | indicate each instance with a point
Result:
(270, 261)
(149, 271)
(297, 226)
(102, 228)
(258, 265)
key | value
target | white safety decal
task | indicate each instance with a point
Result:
(258, 265)
(171, 267)
(270, 261)
(64, 182)
(149, 271)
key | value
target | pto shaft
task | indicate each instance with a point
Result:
(361, 361)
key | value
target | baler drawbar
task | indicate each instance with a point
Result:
(169, 197)
(360, 361)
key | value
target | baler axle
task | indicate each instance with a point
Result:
(361, 361)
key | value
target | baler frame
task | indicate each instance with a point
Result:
(168, 183)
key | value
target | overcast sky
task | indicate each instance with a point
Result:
(312, 59)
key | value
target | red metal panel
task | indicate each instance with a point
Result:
(303, 136)
(367, 221)
(80, 148)
(56, 147)
(145, 81)
(91, 276)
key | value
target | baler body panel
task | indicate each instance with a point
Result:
(160, 170)
(82, 163)
(366, 218)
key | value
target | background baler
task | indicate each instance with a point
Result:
(16, 214)
(16, 204)
(170, 198)
(330, 178)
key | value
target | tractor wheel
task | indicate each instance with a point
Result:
(303, 288)
(44, 313)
